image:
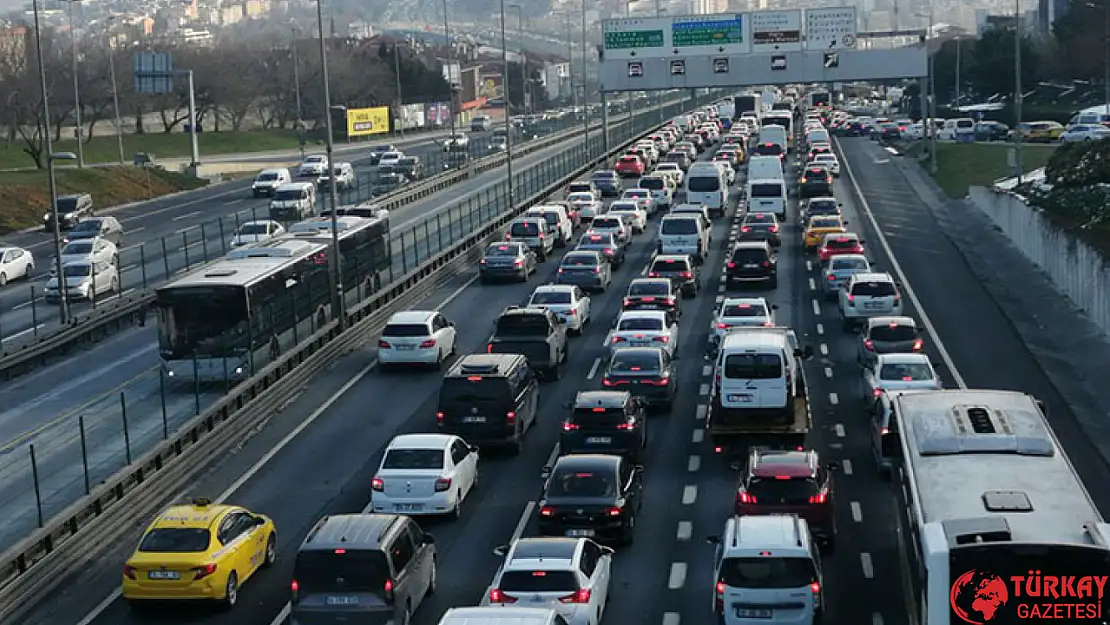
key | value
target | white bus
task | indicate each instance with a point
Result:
(994, 517)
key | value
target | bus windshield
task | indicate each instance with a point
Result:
(202, 320)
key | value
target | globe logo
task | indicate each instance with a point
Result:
(976, 596)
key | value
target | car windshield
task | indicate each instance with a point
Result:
(771, 190)
(567, 483)
(579, 260)
(550, 297)
(503, 250)
(538, 581)
(76, 271)
(906, 372)
(679, 226)
(652, 324)
(413, 459)
(744, 310)
(649, 288)
(288, 195)
(756, 573)
(636, 361)
(175, 540)
(624, 207)
(77, 248)
(252, 229)
(873, 289)
(824, 222)
(406, 329)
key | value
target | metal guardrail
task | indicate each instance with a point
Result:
(43, 561)
(127, 311)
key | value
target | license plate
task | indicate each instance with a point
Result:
(874, 306)
(580, 533)
(742, 398)
(163, 575)
(341, 600)
(474, 420)
(406, 348)
(408, 507)
(639, 343)
(599, 440)
(753, 613)
(750, 265)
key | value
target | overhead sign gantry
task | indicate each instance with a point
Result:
(740, 49)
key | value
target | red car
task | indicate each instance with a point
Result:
(790, 482)
(630, 165)
(846, 243)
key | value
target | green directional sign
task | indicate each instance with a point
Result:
(633, 39)
(708, 33)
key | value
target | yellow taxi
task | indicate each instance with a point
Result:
(201, 551)
(820, 225)
(1041, 132)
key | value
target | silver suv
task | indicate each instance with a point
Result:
(869, 295)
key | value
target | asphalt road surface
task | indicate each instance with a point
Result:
(51, 407)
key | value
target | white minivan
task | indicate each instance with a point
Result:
(707, 184)
(293, 201)
(758, 370)
(957, 129)
(683, 233)
(764, 167)
(767, 195)
(774, 134)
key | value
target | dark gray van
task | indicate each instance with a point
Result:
(489, 400)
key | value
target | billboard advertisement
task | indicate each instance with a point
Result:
(368, 121)
(412, 116)
(437, 114)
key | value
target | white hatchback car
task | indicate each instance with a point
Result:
(569, 302)
(424, 474)
(644, 328)
(569, 575)
(742, 312)
(90, 251)
(899, 372)
(637, 216)
(15, 262)
(416, 337)
(869, 295)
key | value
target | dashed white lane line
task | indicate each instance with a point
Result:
(824, 349)
(685, 530)
(677, 578)
(186, 216)
(643, 272)
(19, 334)
(820, 328)
(857, 512)
(868, 568)
(522, 523)
(719, 299)
(834, 399)
(816, 307)
(828, 372)
(703, 390)
(689, 494)
(846, 466)
(812, 286)
(698, 436)
(839, 430)
(701, 411)
(876, 618)
(723, 279)
(593, 369)
(672, 618)
(706, 370)
(693, 464)
(809, 265)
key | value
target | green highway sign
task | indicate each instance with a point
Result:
(633, 39)
(708, 33)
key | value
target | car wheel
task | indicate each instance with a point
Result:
(406, 618)
(432, 580)
(3, 278)
(114, 285)
(271, 552)
(27, 272)
(456, 512)
(231, 591)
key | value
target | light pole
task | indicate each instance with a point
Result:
(397, 73)
(1105, 50)
(523, 60)
(508, 121)
(333, 258)
(957, 85)
(930, 112)
(1018, 97)
(76, 89)
(115, 92)
(585, 82)
(450, 67)
(297, 76)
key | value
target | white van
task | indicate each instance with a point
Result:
(757, 370)
(508, 615)
(268, 180)
(767, 195)
(774, 134)
(765, 167)
(707, 184)
(955, 129)
(683, 233)
(293, 202)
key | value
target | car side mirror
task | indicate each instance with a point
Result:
(832, 466)
(713, 540)
(862, 242)
(501, 550)
(429, 539)
(545, 472)
(845, 222)
(774, 306)
(638, 468)
(473, 448)
(840, 205)
(607, 550)
(259, 520)
(805, 352)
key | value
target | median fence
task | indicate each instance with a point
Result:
(123, 455)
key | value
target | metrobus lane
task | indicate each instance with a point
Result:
(327, 465)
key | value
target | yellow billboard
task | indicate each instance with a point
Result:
(371, 121)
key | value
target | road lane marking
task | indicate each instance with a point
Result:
(689, 494)
(706, 370)
(685, 530)
(824, 349)
(816, 307)
(672, 618)
(186, 216)
(693, 463)
(876, 618)
(846, 466)
(809, 265)
(552, 456)
(698, 436)
(703, 390)
(677, 578)
(812, 287)
(857, 512)
(522, 522)
(834, 399)
(839, 430)
(19, 334)
(593, 369)
(828, 372)
(820, 328)
(700, 411)
(868, 568)
(26, 304)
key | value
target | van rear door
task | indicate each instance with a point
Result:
(753, 379)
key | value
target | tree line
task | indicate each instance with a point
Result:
(235, 83)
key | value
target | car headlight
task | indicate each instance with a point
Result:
(46, 217)
(70, 215)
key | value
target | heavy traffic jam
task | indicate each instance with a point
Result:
(733, 214)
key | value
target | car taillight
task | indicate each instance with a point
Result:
(428, 344)
(627, 301)
(482, 262)
(560, 270)
(619, 339)
(804, 180)
(774, 228)
(661, 339)
(388, 588)
(884, 431)
(663, 381)
(377, 484)
(719, 597)
(547, 511)
(580, 596)
(851, 299)
(815, 588)
(572, 312)
(745, 497)
(384, 345)
(614, 511)
(821, 497)
(508, 236)
(204, 571)
(443, 484)
(569, 427)
(489, 348)
(518, 263)
(830, 278)
(918, 344)
(597, 269)
(510, 417)
(295, 587)
(765, 264)
(129, 571)
(496, 596)
(610, 251)
(746, 229)
(869, 345)
(876, 392)
(731, 264)
(439, 417)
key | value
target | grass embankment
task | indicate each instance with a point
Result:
(25, 195)
(960, 166)
(105, 149)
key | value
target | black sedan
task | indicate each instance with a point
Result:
(652, 294)
(608, 182)
(648, 373)
(761, 227)
(377, 151)
(593, 496)
(607, 244)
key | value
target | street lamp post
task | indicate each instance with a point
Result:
(297, 76)
(508, 120)
(929, 111)
(1105, 51)
(585, 82)
(76, 90)
(333, 258)
(115, 93)
(957, 85)
(397, 73)
(523, 60)
(450, 67)
(1018, 97)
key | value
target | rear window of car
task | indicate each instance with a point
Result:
(895, 332)
(361, 570)
(607, 222)
(538, 581)
(843, 264)
(818, 222)
(550, 297)
(635, 361)
(669, 266)
(753, 366)
(780, 490)
(679, 226)
(550, 217)
(766, 190)
(413, 459)
(523, 325)
(503, 250)
(406, 329)
(596, 239)
(873, 289)
(569, 483)
(748, 255)
(906, 372)
(649, 288)
(462, 392)
(175, 540)
(651, 324)
(524, 229)
(767, 572)
(580, 187)
(630, 159)
(601, 416)
(745, 310)
(821, 206)
(841, 243)
(654, 184)
(579, 260)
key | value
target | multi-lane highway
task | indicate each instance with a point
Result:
(318, 455)
(81, 404)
